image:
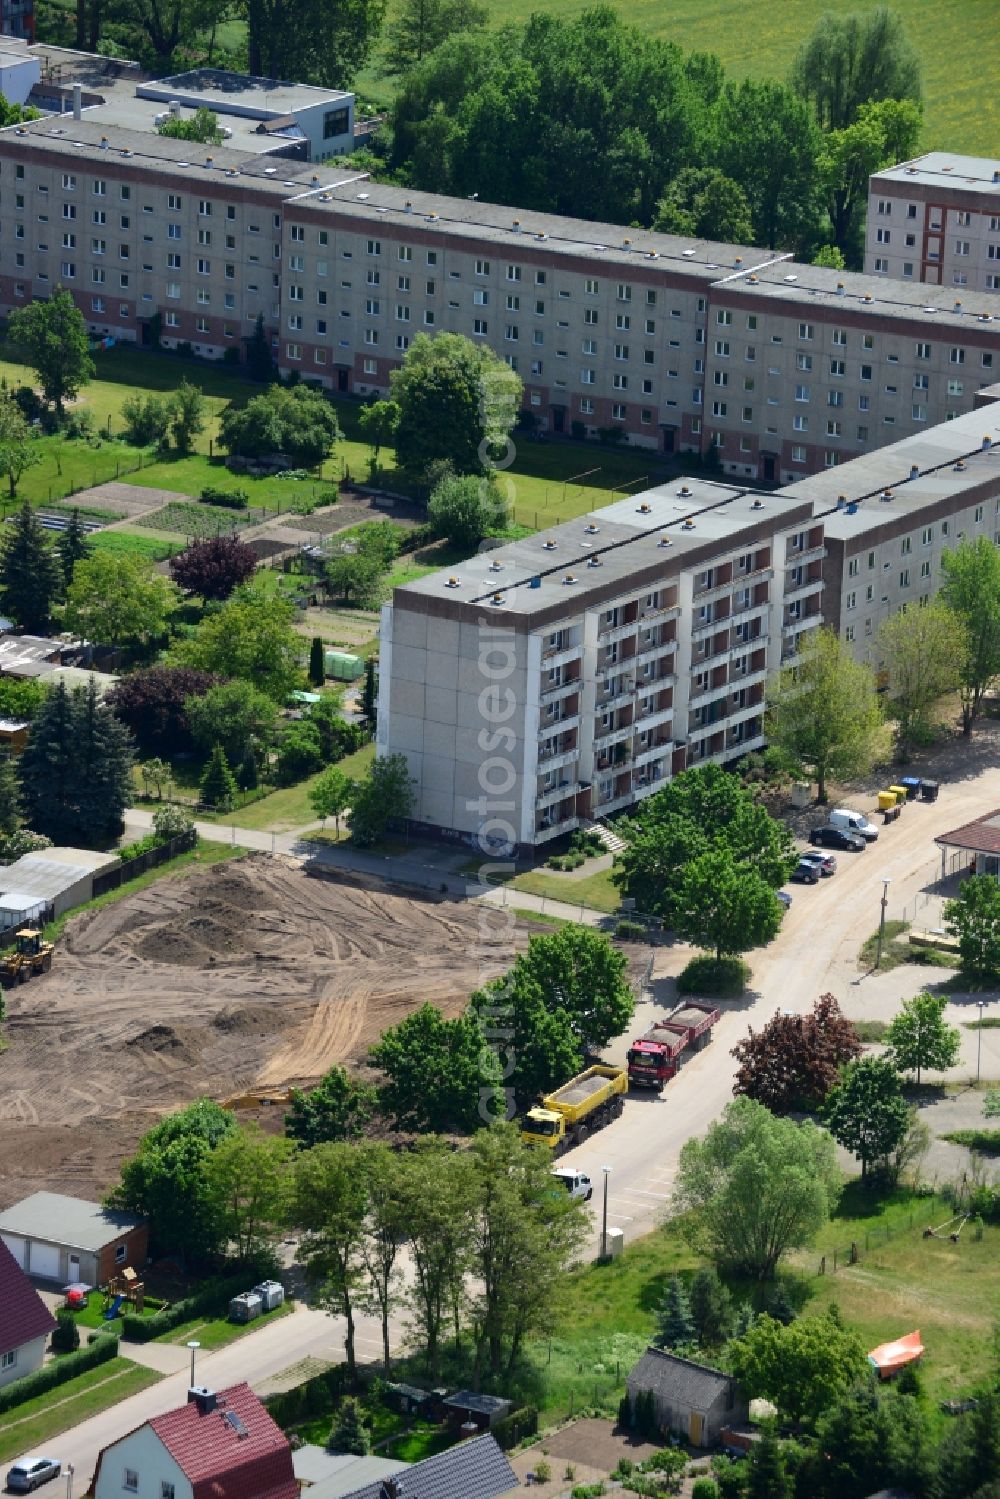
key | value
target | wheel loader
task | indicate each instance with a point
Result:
(29, 955)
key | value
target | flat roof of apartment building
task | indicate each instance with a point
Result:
(575, 566)
(935, 454)
(241, 93)
(946, 169)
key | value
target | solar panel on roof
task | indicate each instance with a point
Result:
(237, 1423)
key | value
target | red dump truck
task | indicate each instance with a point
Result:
(655, 1057)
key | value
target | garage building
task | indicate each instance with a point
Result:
(65, 1239)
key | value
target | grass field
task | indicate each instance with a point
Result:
(901, 1282)
(30, 1426)
(281, 811)
(759, 40)
(594, 890)
(219, 1332)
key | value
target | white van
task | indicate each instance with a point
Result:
(853, 822)
(577, 1183)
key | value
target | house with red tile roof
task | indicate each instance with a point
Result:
(25, 1321)
(218, 1446)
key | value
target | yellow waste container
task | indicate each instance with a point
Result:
(899, 792)
(886, 800)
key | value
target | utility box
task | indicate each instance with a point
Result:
(245, 1307)
(801, 794)
(616, 1242)
(271, 1293)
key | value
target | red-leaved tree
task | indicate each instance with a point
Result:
(151, 701)
(214, 567)
(793, 1062)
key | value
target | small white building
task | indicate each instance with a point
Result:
(323, 117)
(25, 1321)
(218, 1446)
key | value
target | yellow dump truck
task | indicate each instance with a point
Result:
(566, 1117)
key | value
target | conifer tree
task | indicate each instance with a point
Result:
(675, 1324)
(76, 770)
(73, 546)
(317, 662)
(30, 571)
(10, 798)
(349, 1432)
(218, 785)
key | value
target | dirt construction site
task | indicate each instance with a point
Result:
(251, 972)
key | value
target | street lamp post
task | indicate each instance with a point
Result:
(604, 1224)
(70, 1470)
(194, 1345)
(881, 925)
(981, 1005)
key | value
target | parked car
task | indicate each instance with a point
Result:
(831, 837)
(854, 822)
(806, 873)
(577, 1183)
(30, 1473)
(826, 863)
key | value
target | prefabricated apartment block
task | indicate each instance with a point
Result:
(936, 219)
(785, 369)
(569, 675)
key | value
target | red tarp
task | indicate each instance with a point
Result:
(889, 1358)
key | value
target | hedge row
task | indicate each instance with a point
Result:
(510, 1430)
(318, 1396)
(58, 1372)
(211, 1300)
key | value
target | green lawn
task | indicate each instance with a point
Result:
(135, 544)
(949, 1291)
(201, 857)
(218, 1332)
(281, 811)
(32, 1425)
(594, 890)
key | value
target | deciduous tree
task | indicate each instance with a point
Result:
(918, 1037)
(421, 25)
(757, 1186)
(300, 424)
(247, 1175)
(825, 711)
(725, 906)
(925, 651)
(971, 588)
(151, 702)
(767, 141)
(18, 449)
(166, 1180)
(866, 1112)
(802, 1368)
(329, 1204)
(851, 60)
(465, 508)
(974, 918)
(384, 798)
(524, 1238)
(438, 1193)
(30, 572)
(705, 202)
(306, 39)
(331, 795)
(432, 1071)
(457, 401)
(580, 971)
(251, 636)
(881, 135)
(214, 567)
(117, 598)
(52, 338)
(793, 1061)
(386, 1233)
(186, 409)
(235, 715)
(377, 421)
(338, 1108)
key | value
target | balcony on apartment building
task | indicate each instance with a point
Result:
(558, 751)
(710, 619)
(803, 580)
(556, 685)
(557, 822)
(658, 748)
(549, 795)
(615, 691)
(811, 548)
(559, 649)
(616, 624)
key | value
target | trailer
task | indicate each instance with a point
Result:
(657, 1055)
(586, 1103)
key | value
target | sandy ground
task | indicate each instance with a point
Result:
(248, 972)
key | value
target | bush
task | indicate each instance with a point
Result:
(22, 841)
(80, 424)
(716, 978)
(986, 1141)
(146, 420)
(140, 846)
(543, 1471)
(57, 1373)
(173, 822)
(65, 1334)
(630, 931)
(511, 1429)
(229, 499)
(705, 1488)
